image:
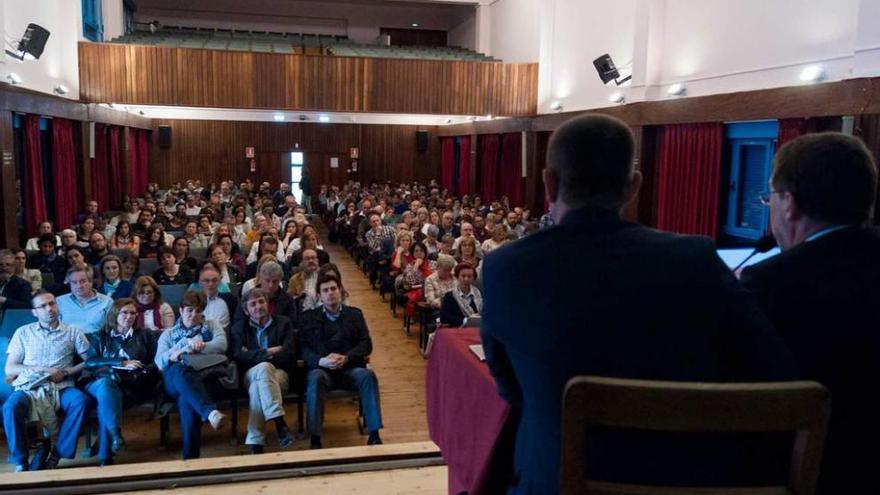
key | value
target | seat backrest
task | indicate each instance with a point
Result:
(48, 279)
(173, 294)
(10, 320)
(803, 407)
(198, 253)
(149, 266)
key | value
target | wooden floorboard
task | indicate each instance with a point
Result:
(395, 359)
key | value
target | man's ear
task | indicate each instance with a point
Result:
(631, 190)
(551, 185)
(790, 208)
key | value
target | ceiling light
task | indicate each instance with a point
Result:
(415, 24)
(472, 119)
(812, 73)
(616, 97)
(677, 89)
(324, 118)
(61, 89)
(489, 117)
(303, 117)
(141, 112)
(556, 106)
(448, 121)
(278, 117)
(13, 78)
(112, 105)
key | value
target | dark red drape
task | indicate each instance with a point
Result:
(689, 178)
(464, 166)
(447, 163)
(64, 173)
(100, 170)
(511, 168)
(34, 195)
(137, 151)
(489, 166)
(792, 128)
(117, 192)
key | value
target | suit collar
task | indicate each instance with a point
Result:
(591, 215)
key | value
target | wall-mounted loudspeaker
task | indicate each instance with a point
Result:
(421, 141)
(164, 136)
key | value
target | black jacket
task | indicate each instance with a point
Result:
(104, 353)
(246, 350)
(631, 302)
(823, 297)
(352, 338)
(17, 293)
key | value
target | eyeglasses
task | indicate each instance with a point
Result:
(764, 197)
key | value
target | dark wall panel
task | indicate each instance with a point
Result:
(215, 150)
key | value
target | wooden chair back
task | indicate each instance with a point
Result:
(802, 406)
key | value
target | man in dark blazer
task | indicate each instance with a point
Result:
(15, 292)
(596, 295)
(822, 293)
(264, 346)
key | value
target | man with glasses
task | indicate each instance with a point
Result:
(264, 348)
(822, 293)
(84, 308)
(45, 349)
(219, 305)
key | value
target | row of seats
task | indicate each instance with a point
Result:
(291, 43)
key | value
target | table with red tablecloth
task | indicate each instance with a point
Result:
(467, 418)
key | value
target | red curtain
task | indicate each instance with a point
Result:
(511, 168)
(64, 173)
(464, 166)
(689, 178)
(792, 128)
(137, 150)
(447, 163)
(488, 166)
(117, 192)
(100, 170)
(34, 195)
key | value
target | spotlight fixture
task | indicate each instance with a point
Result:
(13, 78)
(448, 121)
(323, 118)
(278, 117)
(303, 117)
(32, 43)
(812, 73)
(472, 119)
(112, 105)
(141, 112)
(677, 89)
(556, 106)
(617, 97)
(489, 117)
(608, 71)
(61, 89)
(415, 24)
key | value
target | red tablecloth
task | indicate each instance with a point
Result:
(467, 418)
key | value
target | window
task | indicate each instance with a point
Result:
(93, 20)
(752, 145)
(297, 160)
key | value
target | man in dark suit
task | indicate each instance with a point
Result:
(822, 293)
(626, 301)
(15, 292)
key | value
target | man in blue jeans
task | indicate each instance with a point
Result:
(46, 347)
(336, 342)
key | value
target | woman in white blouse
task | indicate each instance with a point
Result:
(153, 313)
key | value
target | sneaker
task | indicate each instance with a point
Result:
(374, 438)
(53, 460)
(21, 468)
(41, 453)
(216, 419)
(106, 462)
(118, 443)
(256, 449)
(285, 438)
(316, 442)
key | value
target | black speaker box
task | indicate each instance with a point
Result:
(164, 136)
(421, 141)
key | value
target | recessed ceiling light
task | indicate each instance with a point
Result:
(415, 24)
(556, 106)
(278, 117)
(324, 118)
(677, 89)
(812, 73)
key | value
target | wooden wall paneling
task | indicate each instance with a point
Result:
(8, 203)
(196, 77)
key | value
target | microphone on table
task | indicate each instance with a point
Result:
(763, 245)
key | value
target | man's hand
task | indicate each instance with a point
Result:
(57, 375)
(175, 356)
(271, 351)
(133, 363)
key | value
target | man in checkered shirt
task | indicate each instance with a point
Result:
(377, 236)
(47, 346)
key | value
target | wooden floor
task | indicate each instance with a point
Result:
(395, 359)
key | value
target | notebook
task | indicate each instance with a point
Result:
(477, 349)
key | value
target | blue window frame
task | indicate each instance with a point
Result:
(93, 20)
(752, 145)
